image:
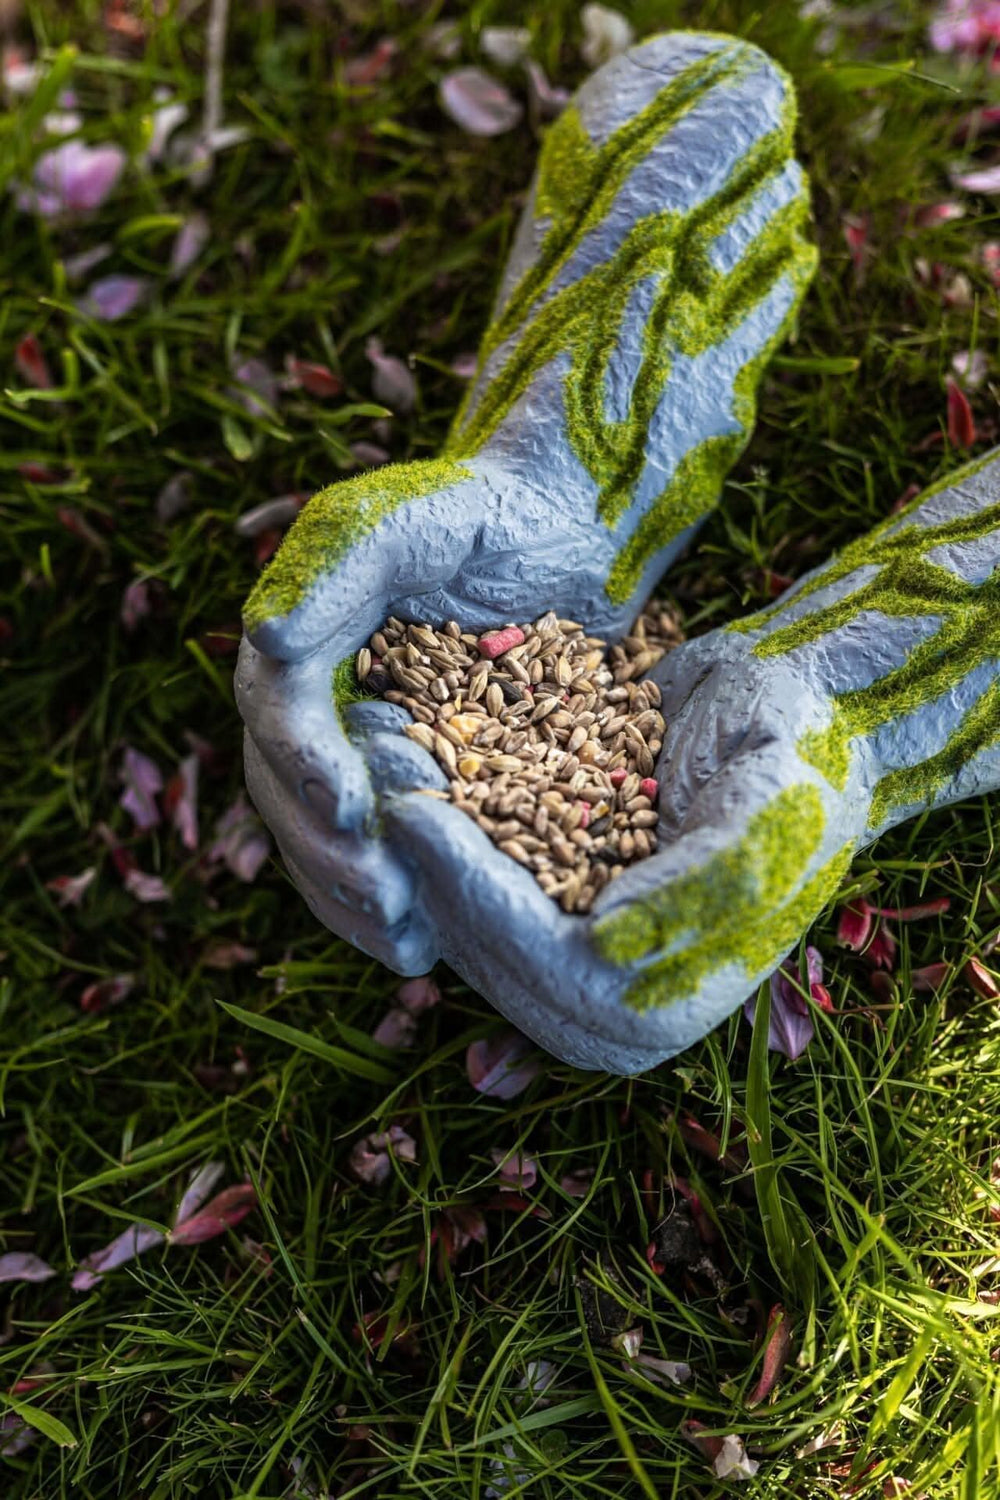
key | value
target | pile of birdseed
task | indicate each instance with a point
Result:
(547, 737)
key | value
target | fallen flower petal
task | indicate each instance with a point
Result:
(224, 1212)
(174, 497)
(72, 178)
(577, 1184)
(979, 978)
(143, 781)
(166, 118)
(397, 1029)
(939, 213)
(370, 1156)
(180, 801)
(315, 378)
(31, 364)
(606, 32)
(972, 367)
(69, 890)
(135, 603)
(854, 926)
(931, 977)
(259, 393)
(21, 1265)
(479, 103)
(628, 1343)
(198, 1189)
(419, 994)
(133, 1241)
(698, 1434)
(392, 382)
(985, 180)
(497, 1065)
(881, 951)
(505, 45)
(791, 1027)
(104, 992)
(732, 1461)
(914, 913)
(241, 841)
(145, 888)
(856, 229)
(370, 455)
(961, 422)
(515, 1170)
(113, 297)
(777, 1348)
(664, 1371)
(279, 512)
(371, 67)
(192, 237)
(227, 954)
(15, 1435)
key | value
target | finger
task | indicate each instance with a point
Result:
(353, 870)
(407, 947)
(514, 945)
(356, 547)
(290, 713)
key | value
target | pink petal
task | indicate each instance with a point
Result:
(69, 890)
(547, 99)
(21, 1265)
(180, 801)
(198, 1189)
(854, 927)
(315, 378)
(145, 888)
(224, 1212)
(881, 951)
(931, 977)
(397, 1029)
(577, 1184)
(987, 180)
(192, 237)
(113, 297)
(133, 1241)
(516, 1170)
(499, 1065)
(31, 365)
(913, 913)
(939, 213)
(418, 995)
(104, 992)
(81, 265)
(971, 367)
(143, 781)
(478, 102)
(392, 382)
(778, 1347)
(279, 512)
(241, 841)
(979, 978)
(961, 422)
(135, 603)
(465, 365)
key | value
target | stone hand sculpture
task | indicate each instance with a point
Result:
(660, 259)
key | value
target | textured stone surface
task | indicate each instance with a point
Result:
(660, 259)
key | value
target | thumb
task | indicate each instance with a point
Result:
(357, 546)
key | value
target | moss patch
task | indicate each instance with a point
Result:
(333, 521)
(745, 905)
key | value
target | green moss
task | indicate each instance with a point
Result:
(736, 908)
(694, 306)
(905, 585)
(333, 521)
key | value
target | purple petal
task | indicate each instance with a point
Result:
(392, 382)
(397, 1029)
(548, 100)
(515, 1169)
(987, 180)
(192, 237)
(135, 603)
(241, 840)
(142, 783)
(478, 102)
(181, 801)
(21, 1265)
(146, 888)
(370, 1156)
(224, 1212)
(15, 1435)
(79, 266)
(198, 1189)
(791, 1028)
(113, 297)
(133, 1241)
(420, 994)
(261, 391)
(495, 1065)
(75, 178)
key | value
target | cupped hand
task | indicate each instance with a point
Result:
(660, 259)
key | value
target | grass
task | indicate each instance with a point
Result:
(239, 1368)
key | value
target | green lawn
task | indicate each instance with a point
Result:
(329, 1343)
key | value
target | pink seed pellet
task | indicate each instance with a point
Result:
(585, 820)
(617, 776)
(649, 788)
(495, 642)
